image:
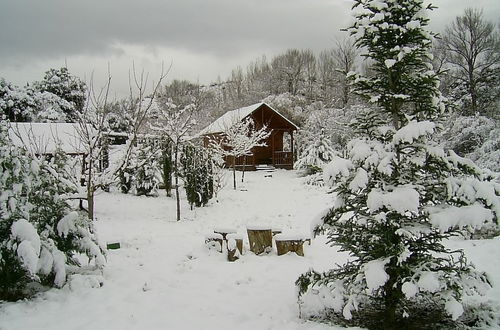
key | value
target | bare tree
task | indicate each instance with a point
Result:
(327, 76)
(290, 68)
(344, 56)
(473, 47)
(93, 128)
(174, 124)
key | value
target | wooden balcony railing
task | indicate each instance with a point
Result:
(282, 158)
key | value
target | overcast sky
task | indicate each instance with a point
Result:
(203, 39)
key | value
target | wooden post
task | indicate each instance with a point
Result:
(260, 239)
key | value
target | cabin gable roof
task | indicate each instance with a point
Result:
(232, 117)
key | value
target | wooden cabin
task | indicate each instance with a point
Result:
(278, 151)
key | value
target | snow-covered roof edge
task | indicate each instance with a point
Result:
(288, 120)
(45, 138)
(231, 117)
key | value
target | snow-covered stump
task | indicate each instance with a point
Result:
(234, 248)
(289, 243)
(238, 239)
(214, 241)
(260, 239)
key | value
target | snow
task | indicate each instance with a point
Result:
(401, 199)
(409, 289)
(234, 116)
(452, 216)
(428, 281)
(28, 255)
(413, 130)
(292, 236)
(378, 17)
(454, 308)
(165, 277)
(213, 236)
(28, 248)
(389, 63)
(378, 5)
(337, 167)
(67, 224)
(375, 274)
(360, 180)
(45, 138)
(413, 25)
(259, 226)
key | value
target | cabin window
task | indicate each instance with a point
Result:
(287, 141)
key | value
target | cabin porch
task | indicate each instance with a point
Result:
(278, 153)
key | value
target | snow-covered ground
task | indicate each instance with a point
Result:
(164, 277)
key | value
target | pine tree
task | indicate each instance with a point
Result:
(197, 175)
(399, 195)
(316, 155)
(69, 88)
(146, 178)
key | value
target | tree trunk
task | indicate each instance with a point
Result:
(244, 165)
(178, 198)
(472, 91)
(234, 172)
(90, 192)
(167, 169)
(391, 304)
(90, 203)
(392, 295)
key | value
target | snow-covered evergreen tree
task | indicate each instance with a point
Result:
(40, 232)
(67, 87)
(17, 104)
(146, 177)
(474, 137)
(197, 175)
(399, 195)
(316, 154)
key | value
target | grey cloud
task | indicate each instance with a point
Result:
(33, 28)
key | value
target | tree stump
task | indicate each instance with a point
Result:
(260, 239)
(285, 244)
(233, 251)
(239, 241)
(214, 241)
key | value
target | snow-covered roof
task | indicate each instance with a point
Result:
(234, 116)
(44, 138)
